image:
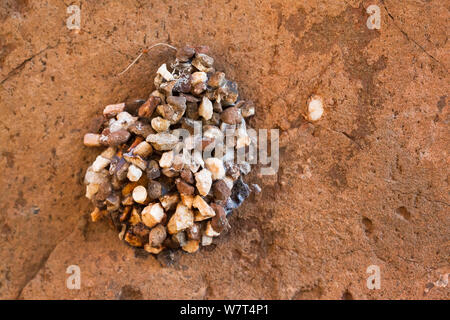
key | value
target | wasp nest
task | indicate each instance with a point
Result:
(168, 177)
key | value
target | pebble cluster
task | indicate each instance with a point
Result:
(153, 183)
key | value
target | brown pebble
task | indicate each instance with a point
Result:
(217, 80)
(221, 190)
(122, 169)
(141, 128)
(204, 59)
(217, 107)
(125, 214)
(219, 221)
(178, 103)
(167, 87)
(183, 85)
(198, 88)
(153, 171)
(231, 116)
(104, 190)
(117, 137)
(133, 106)
(141, 231)
(247, 108)
(189, 97)
(157, 235)
(192, 110)
(133, 239)
(185, 54)
(232, 170)
(186, 175)
(147, 109)
(154, 190)
(184, 188)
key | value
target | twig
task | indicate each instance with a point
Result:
(145, 51)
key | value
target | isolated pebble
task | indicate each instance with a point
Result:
(315, 108)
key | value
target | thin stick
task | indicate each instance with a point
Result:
(145, 51)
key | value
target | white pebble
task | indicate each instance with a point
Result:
(100, 163)
(198, 77)
(209, 231)
(152, 214)
(315, 108)
(206, 241)
(215, 166)
(143, 149)
(204, 181)
(165, 73)
(140, 194)
(206, 109)
(134, 173)
(166, 159)
(160, 124)
(113, 109)
(182, 219)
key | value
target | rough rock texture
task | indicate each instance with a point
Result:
(366, 185)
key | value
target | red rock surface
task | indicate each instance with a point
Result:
(366, 185)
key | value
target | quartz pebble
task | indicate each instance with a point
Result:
(134, 173)
(152, 214)
(215, 166)
(165, 73)
(162, 141)
(167, 177)
(204, 210)
(203, 181)
(160, 124)
(182, 219)
(315, 108)
(206, 109)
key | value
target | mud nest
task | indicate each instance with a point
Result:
(172, 171)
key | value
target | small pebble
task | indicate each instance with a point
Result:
(221, 190)
(231, 115)
(204, 210)
(140, 194)
(315, 108)
(162, 141)
(203, 181)
(165, 73)
(206, 109)
(166, 159)
(134, 173)
(160, 124)
(215, 166)
(152, 214)
(182, 219)
(184, 188)
(185, 54)
(157, 235)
